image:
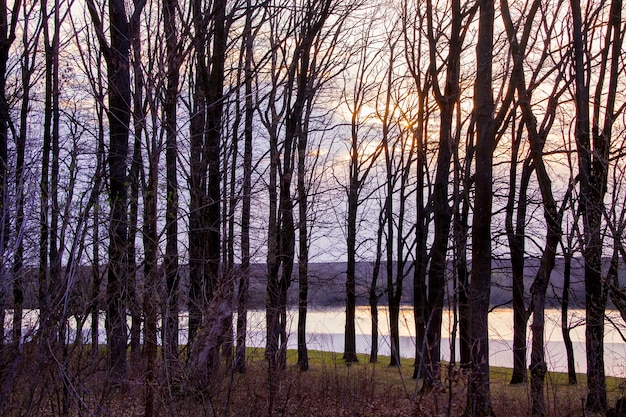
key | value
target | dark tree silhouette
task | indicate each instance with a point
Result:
(593, 141)
(117, 56)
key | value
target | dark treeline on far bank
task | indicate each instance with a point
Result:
(327, 285)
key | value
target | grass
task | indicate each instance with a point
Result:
(329, 388)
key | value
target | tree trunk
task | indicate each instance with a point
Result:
(373, 289)
(119, 119)
(170, 261)
(479, 397)
(151, 282)
(200, 289)
(272, 308)
(21, 182)
(244, 280)
(461, 233)
(7, 36)
(96, 273)
(516, 239)
(420, 300)
(565, 330)
(130, 292)
(303, 247)
(215, 105)
(117, 56)
(442, 211)
(538, 367)
(593, 166)
(349, 353)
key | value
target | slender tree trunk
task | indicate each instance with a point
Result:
(8, 22)
(387, 211)
(565, 330)
(420, 300)
(405, 174)
(96, 273)
(479, 396)
(133, 216)
(349, 353)
(538, 367)
(44, 196)
(593, 166)
(200, 290)
(272, 309)
(517, 247)
(170, 261)
(461, 233)
(117, 56)
(54, 245)
(303, 247)
(442, 210)
(392, 291)
(7, 36)
(119, 119)
(359, 168)
(373, 289)
(21, 183)
(244, 280)
(215, 105)
(151, 282)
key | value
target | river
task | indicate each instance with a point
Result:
(325, 331)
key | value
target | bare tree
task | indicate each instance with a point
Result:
(174, 56)
(116, 52)
(537, 135)
(517, 243)
(91, 63)
(205, 175)
(393, 288)
(49, 259)
(487, 122)
(398, 143)
(463, 181)
(596, 111)
(294, 83)
(414, 49)
(447, 102)
(244, 280)
(11, 276)
(360, 166)
(479, 398)
(9, 14)
(28, 67)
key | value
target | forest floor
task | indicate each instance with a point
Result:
(329, 388)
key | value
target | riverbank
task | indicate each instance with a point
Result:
(329, 388)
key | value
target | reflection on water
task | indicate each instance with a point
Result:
(325, 330)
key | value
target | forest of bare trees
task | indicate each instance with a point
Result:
(152, 152)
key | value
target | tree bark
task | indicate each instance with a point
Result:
(446, 101)
(593, 163)
(170, 262)
(244, 280)
(516, 237)
(479, 396)
(565, 330)
(21, 182)
(303, 234)
(117, 56)
(8, 22)
(200, 285)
